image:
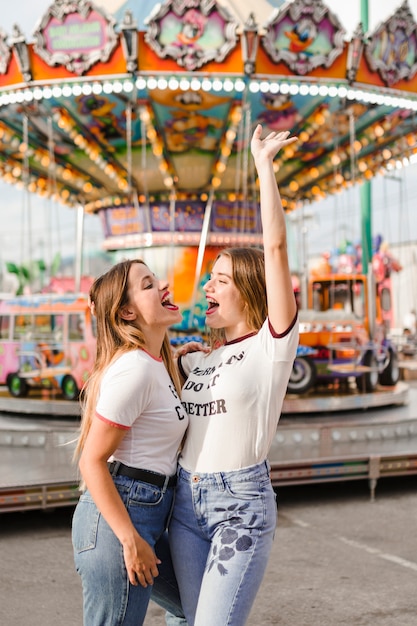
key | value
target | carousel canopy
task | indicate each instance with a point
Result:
(145, 116)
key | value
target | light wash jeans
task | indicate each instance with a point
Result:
(108, 597)
(221, 534)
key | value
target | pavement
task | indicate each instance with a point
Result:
(338, 559)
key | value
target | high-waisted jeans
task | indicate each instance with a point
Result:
(221, 534)
(109, 598)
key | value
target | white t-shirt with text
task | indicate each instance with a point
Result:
(137, 394)
(233, 397)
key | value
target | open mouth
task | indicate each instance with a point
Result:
(167, 304)
(212, 306)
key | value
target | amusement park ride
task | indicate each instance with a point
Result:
(345, 331)
(149, 129)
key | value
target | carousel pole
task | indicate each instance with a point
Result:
(26, 179)
(366, 189)
(27, 213)
(366, 217)
(79, 248)
(201, 250)
(128, 29)
(132, 191)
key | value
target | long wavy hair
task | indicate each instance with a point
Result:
(115, 336)
(248, 273)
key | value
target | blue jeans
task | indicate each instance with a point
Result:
(108, 597)
(221, 534)
(165, 588)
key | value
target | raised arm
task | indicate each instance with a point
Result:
(281, 299)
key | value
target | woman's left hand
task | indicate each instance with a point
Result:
(190, 346)
(271, 144)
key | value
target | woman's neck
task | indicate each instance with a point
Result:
(238, 331)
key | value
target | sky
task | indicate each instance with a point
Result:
(327, 223)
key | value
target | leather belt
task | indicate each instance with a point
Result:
(152, 478)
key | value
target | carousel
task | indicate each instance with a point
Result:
(144, 118)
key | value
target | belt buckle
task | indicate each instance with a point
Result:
(115, 466)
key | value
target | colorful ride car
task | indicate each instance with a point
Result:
(46, 341)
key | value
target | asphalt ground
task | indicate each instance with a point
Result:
(338, 559)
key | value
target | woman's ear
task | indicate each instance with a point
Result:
(127, 314)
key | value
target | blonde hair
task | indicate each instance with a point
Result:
(115, 336)
(248, 273)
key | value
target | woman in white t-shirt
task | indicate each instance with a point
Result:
(131, 430)
(224, 515)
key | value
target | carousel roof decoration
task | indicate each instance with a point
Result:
(5, 53)
(193, 32)
(305, 34)
(150, 128)
(75, 34)
(392, 48)
(22, 55)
